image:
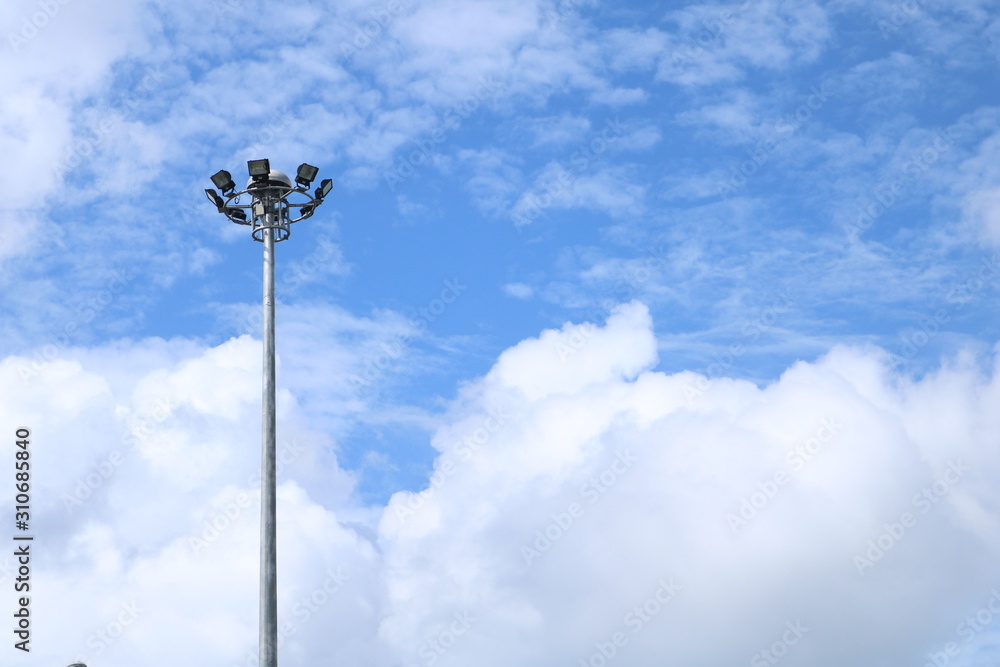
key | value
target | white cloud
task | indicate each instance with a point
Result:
(619, 97)
(609, 190)
(558, 130)
(631, 49)
(720, 43)
(453, 45)
(57, 55)
(494, 177)
(518, 290)
(539, 367)
(976, 181)
(567, 491)
(573, 484)
(639, 139)
(982, 208)
(737, 117)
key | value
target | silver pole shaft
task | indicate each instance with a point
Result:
(268, 507)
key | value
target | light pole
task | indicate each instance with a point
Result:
(271, 214)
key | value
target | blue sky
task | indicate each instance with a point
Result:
(561, 206)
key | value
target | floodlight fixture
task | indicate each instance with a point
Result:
(224, 181)
(236, 214)
(275, 202)
(259, 169)
(306, 174)
(214, 197)
(325, 186)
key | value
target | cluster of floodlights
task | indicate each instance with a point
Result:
(269, 190)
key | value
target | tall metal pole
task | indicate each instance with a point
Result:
(268, 506)
(270, 214)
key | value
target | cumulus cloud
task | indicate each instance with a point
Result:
(580, 497)
(145, 461)
(581, 504)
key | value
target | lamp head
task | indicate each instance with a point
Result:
(259, 170)
(224, 181)
(306, 174)
(236, 214)
(214, 197)
(324, 188)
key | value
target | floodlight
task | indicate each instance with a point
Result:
(308, 209)
(224, 181)
(324, 188)
(306, 174)
(259, 169)
(236, 214)
(214, 197)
